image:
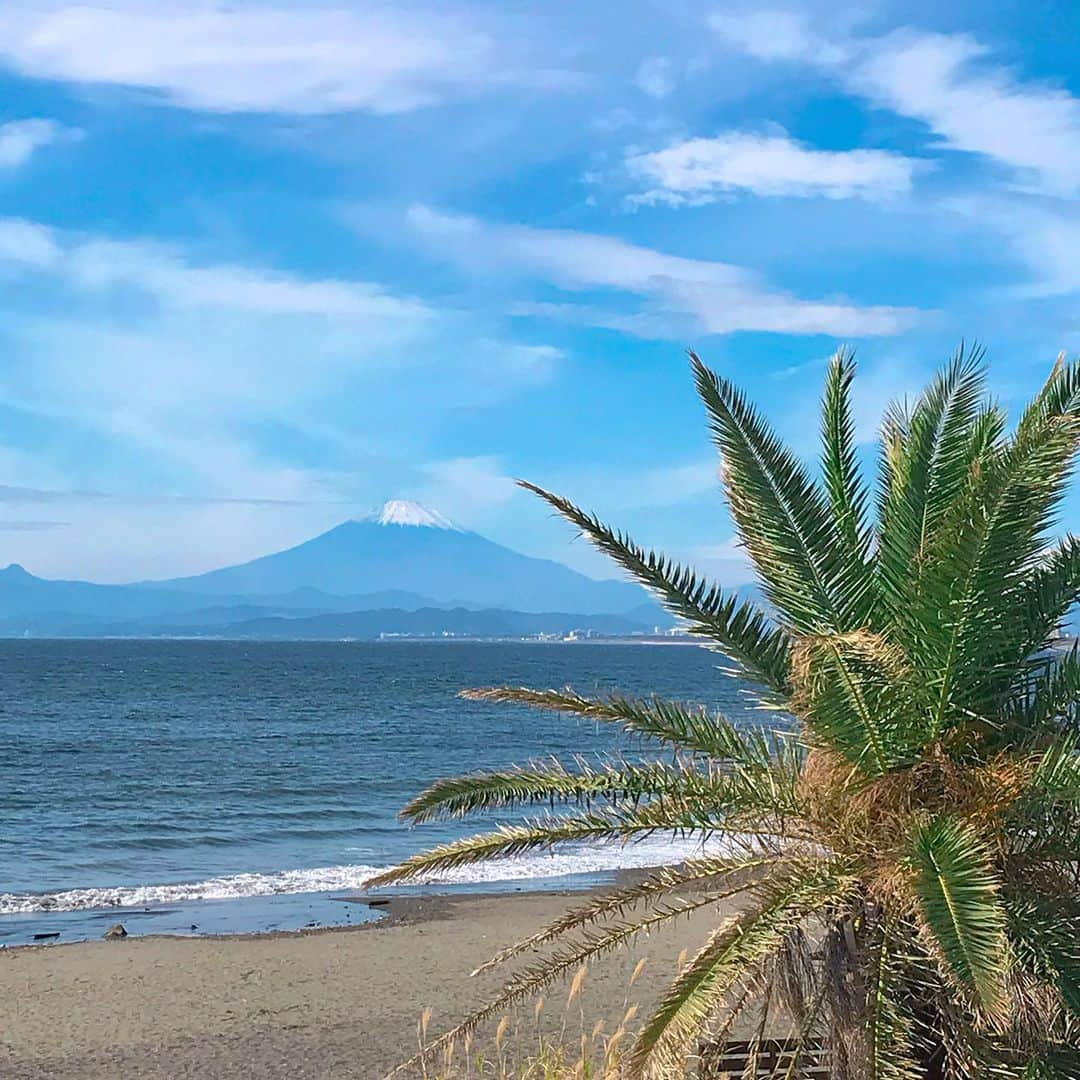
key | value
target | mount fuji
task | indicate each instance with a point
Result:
(403, 570)
(411, 548)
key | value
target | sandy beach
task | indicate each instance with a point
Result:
(330, 1003)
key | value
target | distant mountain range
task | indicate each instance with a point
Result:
(404, 570)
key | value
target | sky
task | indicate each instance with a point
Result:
(268, 265)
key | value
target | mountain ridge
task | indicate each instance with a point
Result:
(403, 557)
(433, 558)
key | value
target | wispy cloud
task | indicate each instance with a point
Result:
(655, 77)
(96, 265)
(21, 139)
(701, 170)
(14, 495)
(1042, 235)
(948, 82)
(253, 58)
(466, 488)
(32, 526)
(718, 298)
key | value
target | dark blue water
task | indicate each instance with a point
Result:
(152, 774)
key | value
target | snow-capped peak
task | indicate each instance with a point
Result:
(403, 512)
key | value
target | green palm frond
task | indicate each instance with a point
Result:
(783, 517)
(732, 952)
(1048, 696)
(1039, 605)
(553, 782)
(961, 906)
(1059, 396)
(507, 841)
(1056, 778)
(926, 462)
(1046, 934)
(687, 728)
(848, 494)
(995, 535)
(855, 694)
(1045, 817)
(741, 629)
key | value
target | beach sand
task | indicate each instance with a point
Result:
(329, 1003)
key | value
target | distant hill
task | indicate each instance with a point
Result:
(405, 559)
(407, 546)
(23, 594)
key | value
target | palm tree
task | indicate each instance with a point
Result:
(907, 851)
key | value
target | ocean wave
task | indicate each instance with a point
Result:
(350, 877)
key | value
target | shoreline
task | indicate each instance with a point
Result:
(267, 912)
(323, 1002)
(396, 906)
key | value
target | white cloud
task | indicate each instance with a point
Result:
(1042, 235)
(466, 488)
(661, 485)
(251, 57)
(718, 298)
(774, 35)
(935, 78)
(945, 81)
(700, 170)
(654, 77)
(21, 139)
(95, 265)
(25, 244)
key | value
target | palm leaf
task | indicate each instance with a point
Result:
(741, 629)
(783, 518)
(508, 841)
(889, 1026)
(1046, 699)
(855, 694)
(926, 460)
(992, 539)
(961, 906)
(1059, 396)
(1041, 602)
(692, 729)
(1046, 931)
(552, 783)
(840, 468)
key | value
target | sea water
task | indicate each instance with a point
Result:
(214, 786)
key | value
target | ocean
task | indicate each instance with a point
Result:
(213, 786)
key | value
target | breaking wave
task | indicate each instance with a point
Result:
(350, 877)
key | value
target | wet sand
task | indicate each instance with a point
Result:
(324, 1003)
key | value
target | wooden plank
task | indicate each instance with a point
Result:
(730, 1060)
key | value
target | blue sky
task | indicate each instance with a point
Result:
(266, 266)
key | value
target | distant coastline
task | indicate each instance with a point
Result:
(390, 639)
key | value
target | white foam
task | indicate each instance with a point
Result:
(350, 877)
